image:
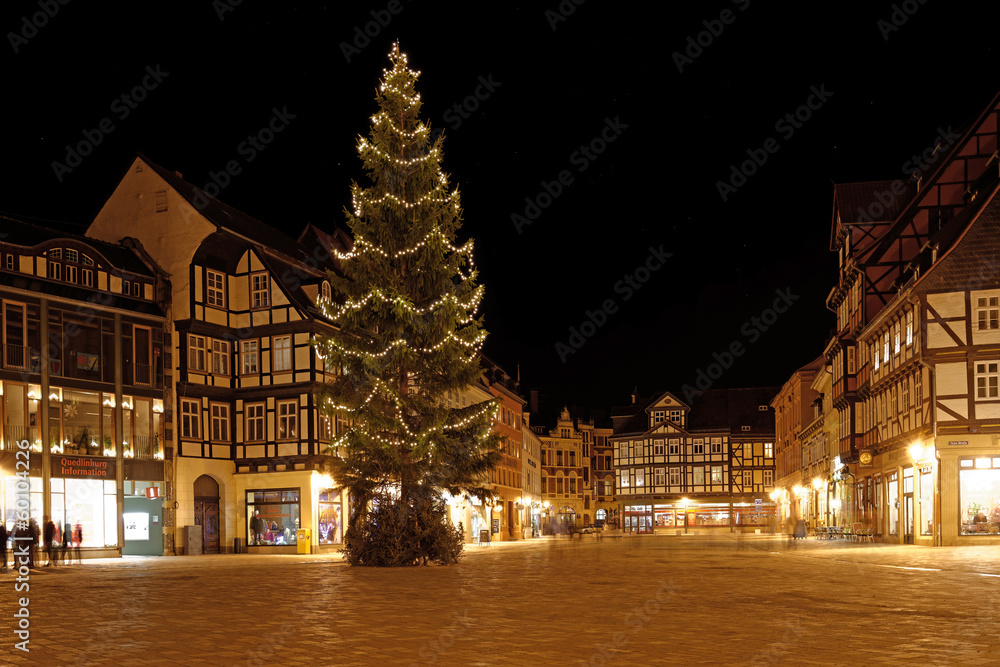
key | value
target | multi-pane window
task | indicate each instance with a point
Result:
(675, 416)
(220, 357)
(215, 291)
(988, 312)
(674, 447)
(699, 446)
(987, 379)
(249, 353)
(325, 290)
(769, 450)
(287, 420)
(196, 353)
(8, 262)
(747, 479)
(768, 478)
(220, 422)
(895, 333)
(909, 326)
(72, 274)
(640, 477)
(906, 391)
(259, 290)
(850, 360)
(190, 419)
(624, 479)
(875, 355)
(716, 446)
(255, 422)
(87, 277)
(55, 271)
(885, 347)
(699, 475)
(661, 476)
(675, 477)
(716, 474)
(281, 353)
(658, 448)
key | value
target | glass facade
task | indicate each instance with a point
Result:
(272, 516)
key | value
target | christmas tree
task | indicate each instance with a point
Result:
(405, 306)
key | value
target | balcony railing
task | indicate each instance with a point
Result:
(15, 434)
(146, 447)
(16, 357)
(143, 375)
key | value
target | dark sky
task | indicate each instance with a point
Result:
(607, 67)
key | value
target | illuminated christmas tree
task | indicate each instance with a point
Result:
(408, 339)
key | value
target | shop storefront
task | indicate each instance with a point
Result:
(680, 517)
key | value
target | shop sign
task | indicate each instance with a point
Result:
(953, 443)
(152, 492)
(866, 459)
(83, 467)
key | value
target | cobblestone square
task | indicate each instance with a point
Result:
(671, 600)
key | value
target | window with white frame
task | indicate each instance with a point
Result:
(259, 290)
(769, 450)
(906, 391)
(660, 477)
(885, 347)
(716, 474)
(220, 422)
(747, 479)
(640, 477)
(875, 356)
(220, 357)
(281, 353)
(988, 312)
(698, 475)
(909, 326)
(215, 289)
(287, 420)
(768, 478)
(190, 419)
(196, 353)
(895, 335)
(699, 446)
(657, 448)
(674, 447)
(255, 422)
(675, 416)
(716, 446)
(675, 477)
(987, 380)
(623, 479)
(249, 357)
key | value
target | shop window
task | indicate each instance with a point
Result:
(90, 505)
(272, 516)
(331, 517)
(979, 496)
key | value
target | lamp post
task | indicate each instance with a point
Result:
(684, 502)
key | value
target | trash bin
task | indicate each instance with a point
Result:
(303, 538)
(238, 545)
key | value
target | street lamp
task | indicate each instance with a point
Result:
(684, 502)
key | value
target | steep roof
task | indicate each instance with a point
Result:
(852, 202)
(712, 410)
(973, 262)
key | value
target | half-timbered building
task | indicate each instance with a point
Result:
(243, 416)
(902, 318)
(83, 378)
(706, 466)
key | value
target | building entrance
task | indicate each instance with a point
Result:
(206, 513)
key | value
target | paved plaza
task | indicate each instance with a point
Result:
(670, 600)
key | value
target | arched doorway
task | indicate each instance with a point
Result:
(206, 513)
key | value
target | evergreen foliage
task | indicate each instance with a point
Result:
(408, 338)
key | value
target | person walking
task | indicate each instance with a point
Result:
(32, 542)
(3, 545)
(67, 540)
(48, 534)
(78, 540)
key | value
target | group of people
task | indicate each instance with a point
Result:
(56, 542)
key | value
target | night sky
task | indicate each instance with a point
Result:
(881, 83)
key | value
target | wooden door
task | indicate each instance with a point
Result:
(206, 513)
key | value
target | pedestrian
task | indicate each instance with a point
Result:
(48, 534)
(32, 541)
(3, 544)
(257, 528)
(67, 536)
(78, 540)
